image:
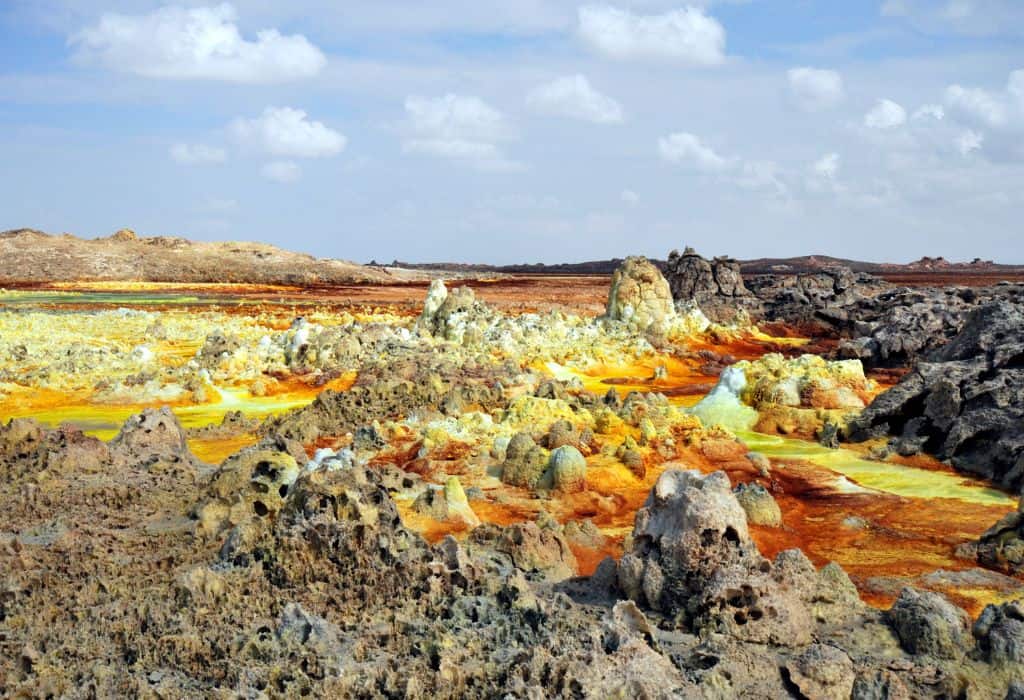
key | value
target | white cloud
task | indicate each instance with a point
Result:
(761, 175)
(197, 154)
(686, 149)
(827, 166)
(282, 171)
(630, 197)
(886, 114)
(687, 35)
(572, 96)
(969, 141)
(1015, 87)
(287, 132)
(971, 17)
(977, 105)
(201, 43)
(894, 8)
(458, 127)
(815, 89)
(929, 111)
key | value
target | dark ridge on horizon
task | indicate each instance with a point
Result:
(804, 263)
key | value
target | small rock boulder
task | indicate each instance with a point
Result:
(759, 505)
(999, 632)
(821, 673)
(153, 435)
(525, 462)
(928, 624)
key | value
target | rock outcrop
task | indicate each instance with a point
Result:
(716, 285)
(926, 623)
(814, 299)
(965, 402)
(999, 632)
(692, 560)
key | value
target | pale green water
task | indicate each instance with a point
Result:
(910, 482)
(32, 298)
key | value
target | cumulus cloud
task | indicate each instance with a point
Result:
(886, 114)
(630, 197)
(197, 154)
(993, 120)
(686, 149)
(827, 166)
(969, 141)
(971, 17)
(201, 43)
(760, 175)
(461, 128)
(929, 111)
(282, 171)
(977, 105)
(287, 132)
(686, 35)
(572, 96)
(1015, 88)
(815, 89)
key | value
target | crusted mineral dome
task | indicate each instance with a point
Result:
(639, 294)
(723, 405)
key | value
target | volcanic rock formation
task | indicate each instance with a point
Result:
(716, 286)
(965, 403)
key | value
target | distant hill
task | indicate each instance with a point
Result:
(31, 256)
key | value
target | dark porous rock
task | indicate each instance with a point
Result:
(879, 685)
(1002, 545)
(894, 328)
(928, 624)
(999, 631)
(965, 402)
(819, 299)
(716, 286)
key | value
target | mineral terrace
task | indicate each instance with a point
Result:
(682, 481)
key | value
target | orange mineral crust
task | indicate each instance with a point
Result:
(904, 520)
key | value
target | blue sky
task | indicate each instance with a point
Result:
(535, 130)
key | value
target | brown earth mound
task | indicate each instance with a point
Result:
(32, 256)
